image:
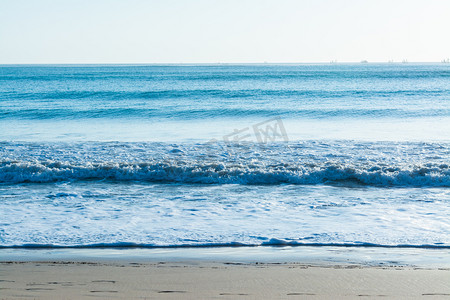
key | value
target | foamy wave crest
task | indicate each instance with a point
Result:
(225, 173)
(308, 162)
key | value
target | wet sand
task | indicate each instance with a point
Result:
(217, 280)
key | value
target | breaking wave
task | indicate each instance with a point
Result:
(303, 163)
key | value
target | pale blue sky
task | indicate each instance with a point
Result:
(175, 31)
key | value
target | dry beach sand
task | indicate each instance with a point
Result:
(217, 280)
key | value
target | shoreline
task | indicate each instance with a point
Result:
(312, 255)
(225, 273)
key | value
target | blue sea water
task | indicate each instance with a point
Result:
(201, 155)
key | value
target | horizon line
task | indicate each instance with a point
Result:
(444, 61)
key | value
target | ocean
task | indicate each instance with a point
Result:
(225, 155)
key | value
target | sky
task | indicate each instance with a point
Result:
(226, 31)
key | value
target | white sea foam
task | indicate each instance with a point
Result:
(346, 162)
(108, 214)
